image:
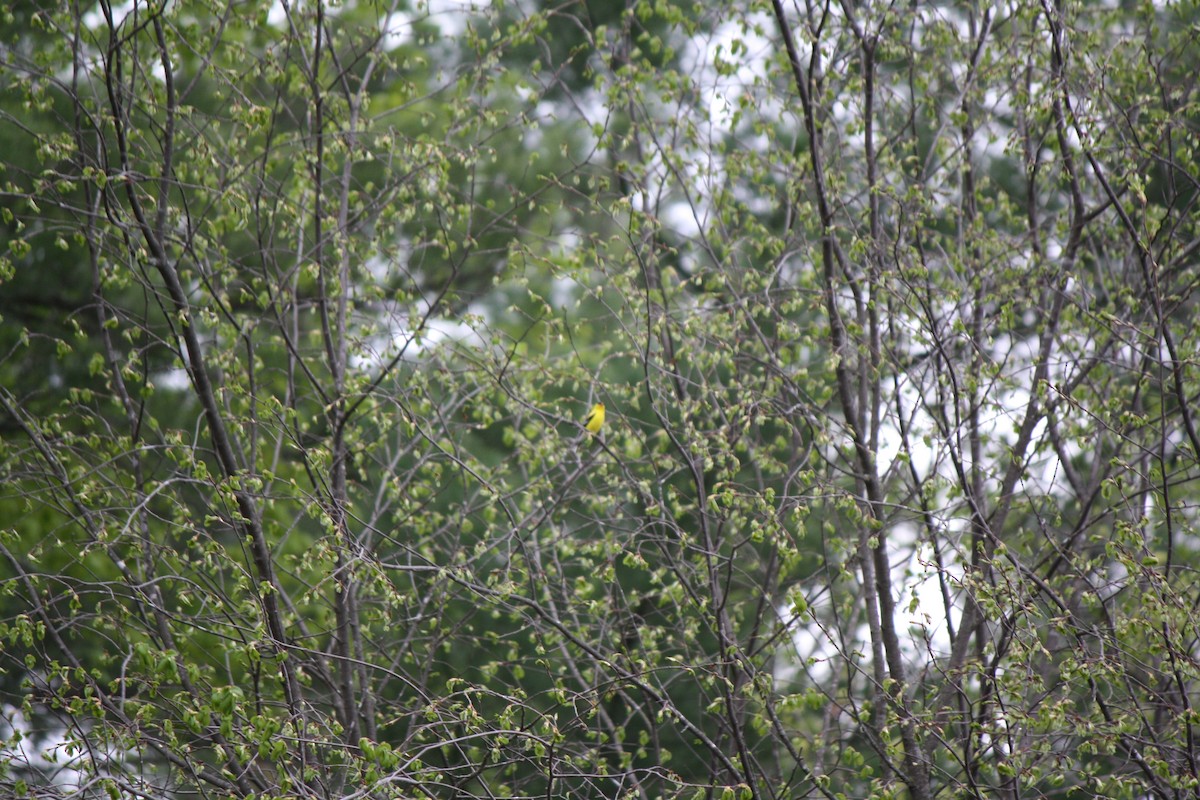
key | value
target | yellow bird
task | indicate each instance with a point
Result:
(595, 419)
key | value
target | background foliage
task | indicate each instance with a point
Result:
(891, 307)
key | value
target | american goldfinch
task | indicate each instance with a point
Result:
(595, 419)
